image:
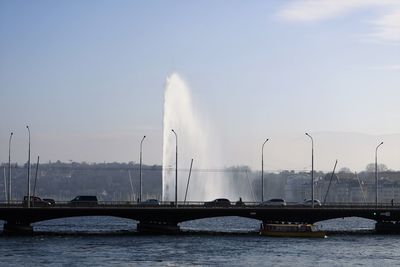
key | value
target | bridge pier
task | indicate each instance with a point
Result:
(155, 227)
(17, 228)
(387, 227)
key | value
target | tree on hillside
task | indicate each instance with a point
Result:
(381, 167)
(345, 170)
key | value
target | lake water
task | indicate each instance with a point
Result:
(105, 241)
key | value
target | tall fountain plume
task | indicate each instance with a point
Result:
(194, 141)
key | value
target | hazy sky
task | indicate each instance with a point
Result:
(88, 77)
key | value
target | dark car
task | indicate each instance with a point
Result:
(35, 202)
(150, 202)
(50, 200)
(219, 202)
(84, 201)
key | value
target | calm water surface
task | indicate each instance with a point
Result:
(104, 241)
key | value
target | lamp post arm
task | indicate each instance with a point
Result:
(140, 170)
(29, 167)
(262, 170)
(312, 170)
(376, 173)
(9, 169)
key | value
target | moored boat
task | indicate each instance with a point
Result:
(291, 230)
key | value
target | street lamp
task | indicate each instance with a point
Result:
(262, 171)
(140, 170)
(9, 168)
(29, 168)
(176, 168)
(376, 173)
(312, 170)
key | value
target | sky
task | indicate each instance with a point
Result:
(88, 78)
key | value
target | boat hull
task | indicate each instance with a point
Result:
(318, 234)
(290, 230)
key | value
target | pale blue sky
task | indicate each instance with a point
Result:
(88, 76)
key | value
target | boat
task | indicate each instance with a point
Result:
(291, 230)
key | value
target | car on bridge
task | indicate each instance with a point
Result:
(35, 202)
(219, 202)
(50, 200)
(84, 201)
(150, 202)
(274, 202)
(309, 202)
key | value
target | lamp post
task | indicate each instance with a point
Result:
(140, 170)
(376, 173)
(176, 168)
(312, 170)
(262, 171)
(29, 168)
(9, 168)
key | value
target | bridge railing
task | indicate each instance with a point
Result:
(197, 204)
